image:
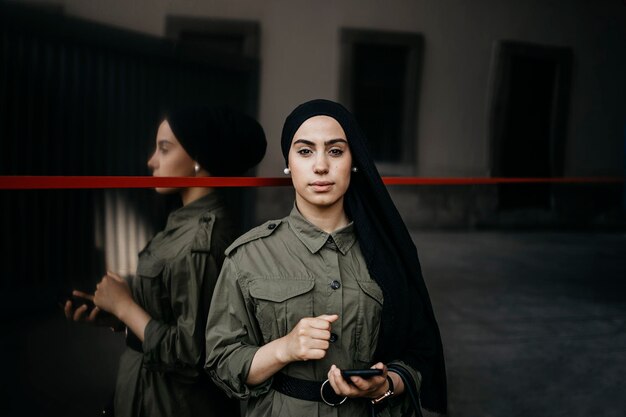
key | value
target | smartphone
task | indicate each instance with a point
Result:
(363, 373)
(79, 301)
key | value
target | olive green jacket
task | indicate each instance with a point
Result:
(175, 278)
(272, 277)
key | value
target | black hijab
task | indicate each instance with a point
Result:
(224, 141)
(409, 331)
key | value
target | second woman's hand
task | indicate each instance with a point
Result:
(95, 317)
(76, 310)
(113, 295)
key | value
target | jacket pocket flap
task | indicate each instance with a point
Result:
(279, 290)
(150, 268)
(373, 290)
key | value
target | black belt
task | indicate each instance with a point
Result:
(133, 341)
(307, 390)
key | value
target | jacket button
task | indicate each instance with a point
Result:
(333, 338)
(271, 226)
(335, 285)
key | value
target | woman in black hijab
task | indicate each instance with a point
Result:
(335, 285)
(163, 308)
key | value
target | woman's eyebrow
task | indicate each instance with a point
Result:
(327, 143)
(303, 141)
(333, 141)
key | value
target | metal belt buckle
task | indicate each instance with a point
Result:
(327, 402)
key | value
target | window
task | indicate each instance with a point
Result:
(530, 97)
(235, 38)
(379, 84)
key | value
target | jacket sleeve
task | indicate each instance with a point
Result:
(232, 336)
(398, 406)
(179, 348)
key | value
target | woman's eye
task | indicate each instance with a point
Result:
(336, 152)
(305, 152)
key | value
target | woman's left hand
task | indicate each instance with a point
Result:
(113, 294)
(372, 387)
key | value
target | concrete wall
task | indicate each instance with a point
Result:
(300, 60)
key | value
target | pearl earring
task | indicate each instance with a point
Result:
(287, 171)
(196, 168)
(355, 169)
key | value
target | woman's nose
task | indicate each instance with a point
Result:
(321, 164)
(152, 161)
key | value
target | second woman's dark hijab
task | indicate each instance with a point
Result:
(223, 141)
(409, 331)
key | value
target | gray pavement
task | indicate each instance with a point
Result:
(533, 324)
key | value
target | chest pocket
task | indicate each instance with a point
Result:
(280, 304)
(149, 290)
(368, 320)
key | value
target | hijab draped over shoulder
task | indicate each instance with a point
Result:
(409, 331)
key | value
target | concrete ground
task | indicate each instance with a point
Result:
(533, 324)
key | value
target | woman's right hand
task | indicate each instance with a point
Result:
(309, 339)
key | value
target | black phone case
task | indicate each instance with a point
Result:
(363, 373)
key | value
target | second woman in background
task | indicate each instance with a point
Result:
(164, 307)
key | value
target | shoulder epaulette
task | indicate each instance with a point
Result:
(202, 239)
(258, 232)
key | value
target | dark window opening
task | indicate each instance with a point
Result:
(378, 97)
(379, 83)
(227, 40)
(213, 43)
(528, 121)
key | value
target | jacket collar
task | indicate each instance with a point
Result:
(314, 238)
(182, 215)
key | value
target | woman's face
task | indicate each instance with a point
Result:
(169, 158)
(320, 162)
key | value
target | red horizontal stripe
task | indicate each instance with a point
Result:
(483, 180)
(75, 182)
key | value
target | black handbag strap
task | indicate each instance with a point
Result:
(409, 388)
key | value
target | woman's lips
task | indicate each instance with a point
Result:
(321, 186)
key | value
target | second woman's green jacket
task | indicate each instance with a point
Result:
(175, 278)
(272, 277)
